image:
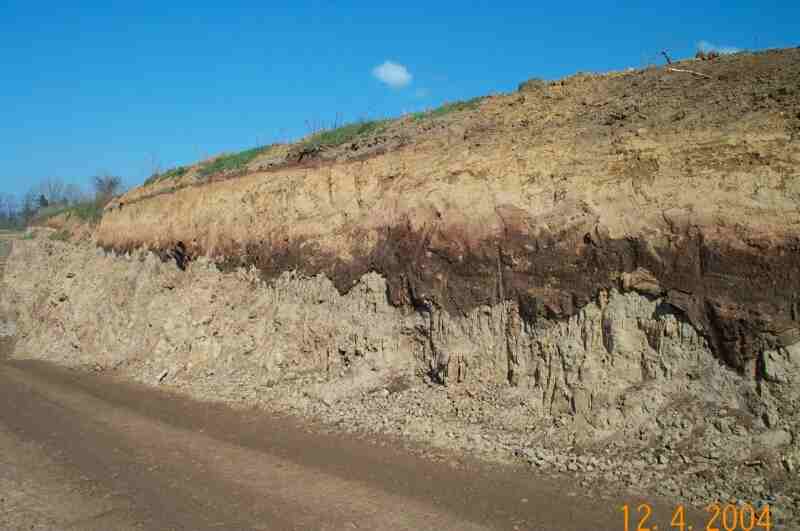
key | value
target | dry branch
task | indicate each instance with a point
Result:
(689, 72)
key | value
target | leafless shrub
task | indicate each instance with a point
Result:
(106, 187)
(704, 55)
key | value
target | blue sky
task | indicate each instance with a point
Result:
(125, 87)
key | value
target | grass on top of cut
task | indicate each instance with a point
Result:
(174, 173)
(232, 161)
(89, 211)
(447, 108)
(346, 133)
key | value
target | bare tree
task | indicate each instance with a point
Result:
(9, 211)
(30, 205)
(53, 189)
(106, 187)
(73, 193)
(155, 164)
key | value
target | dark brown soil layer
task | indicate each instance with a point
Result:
(742, 296)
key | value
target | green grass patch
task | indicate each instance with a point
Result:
(174, 173)
(60, 236)
(233, 161)
(51, 211)
(346, 133)
(89, 211)
(86, 211)
(447, 108)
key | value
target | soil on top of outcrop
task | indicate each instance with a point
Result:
(695, 93)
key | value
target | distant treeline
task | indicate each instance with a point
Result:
(51, 197)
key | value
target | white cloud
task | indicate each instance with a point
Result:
(393, 74)
(705, 46)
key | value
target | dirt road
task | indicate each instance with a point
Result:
(87, 452)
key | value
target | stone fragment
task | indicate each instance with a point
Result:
(774, 438)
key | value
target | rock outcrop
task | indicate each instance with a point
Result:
(684, 187)
(627, 379)
(611, 367)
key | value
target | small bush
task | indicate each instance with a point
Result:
(447, 108)
(706, 55)
(51, 211)
(174, 173)
(60, 236)
(346, 133)
(89, 211)
(532, 85)
(233, 161)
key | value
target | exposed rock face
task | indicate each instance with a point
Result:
(543, 198)
(616, 361)
(627, 371)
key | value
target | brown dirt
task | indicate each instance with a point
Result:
(167, 463)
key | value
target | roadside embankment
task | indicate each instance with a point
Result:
(598, 275)
(625, 393)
